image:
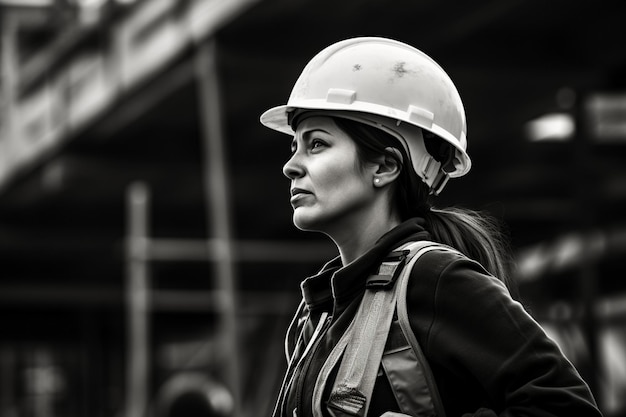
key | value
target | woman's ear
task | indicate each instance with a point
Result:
(388, 167)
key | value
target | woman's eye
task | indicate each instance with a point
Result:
(316, 143)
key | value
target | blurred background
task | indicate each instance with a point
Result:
(148, 264)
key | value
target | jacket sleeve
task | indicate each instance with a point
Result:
(480, 341)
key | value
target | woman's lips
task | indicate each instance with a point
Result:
(298, 193)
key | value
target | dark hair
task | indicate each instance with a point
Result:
(477, 235)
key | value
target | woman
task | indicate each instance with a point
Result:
(378, 128)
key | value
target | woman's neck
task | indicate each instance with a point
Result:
(354, 241)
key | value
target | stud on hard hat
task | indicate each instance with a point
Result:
(389, 85)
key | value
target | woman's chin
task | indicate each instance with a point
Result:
(305, 221)
(302, 224)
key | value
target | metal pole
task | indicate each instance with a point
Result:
(8, 74)
(137, 299)
(218, 206)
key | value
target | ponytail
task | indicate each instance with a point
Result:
(478, 236)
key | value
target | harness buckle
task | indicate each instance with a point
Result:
(388, 271)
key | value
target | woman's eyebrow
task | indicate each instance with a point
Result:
(306, 137)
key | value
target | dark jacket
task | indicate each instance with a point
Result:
(485, 351)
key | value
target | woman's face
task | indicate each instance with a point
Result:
(329, 185)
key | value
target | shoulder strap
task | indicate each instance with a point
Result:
(414, 399)
(362, 345)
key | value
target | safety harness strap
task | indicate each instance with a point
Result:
(361, 360)
(359, 354)
(366, 346)
(418, 396)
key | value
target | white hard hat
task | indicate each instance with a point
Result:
(390, 85)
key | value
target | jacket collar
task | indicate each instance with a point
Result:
(339, 285)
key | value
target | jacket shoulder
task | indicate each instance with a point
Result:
(435, 257)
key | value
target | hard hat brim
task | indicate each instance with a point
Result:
(277, 119)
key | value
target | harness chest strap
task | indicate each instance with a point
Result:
(362, 346)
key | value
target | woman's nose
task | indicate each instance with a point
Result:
(293, 168)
